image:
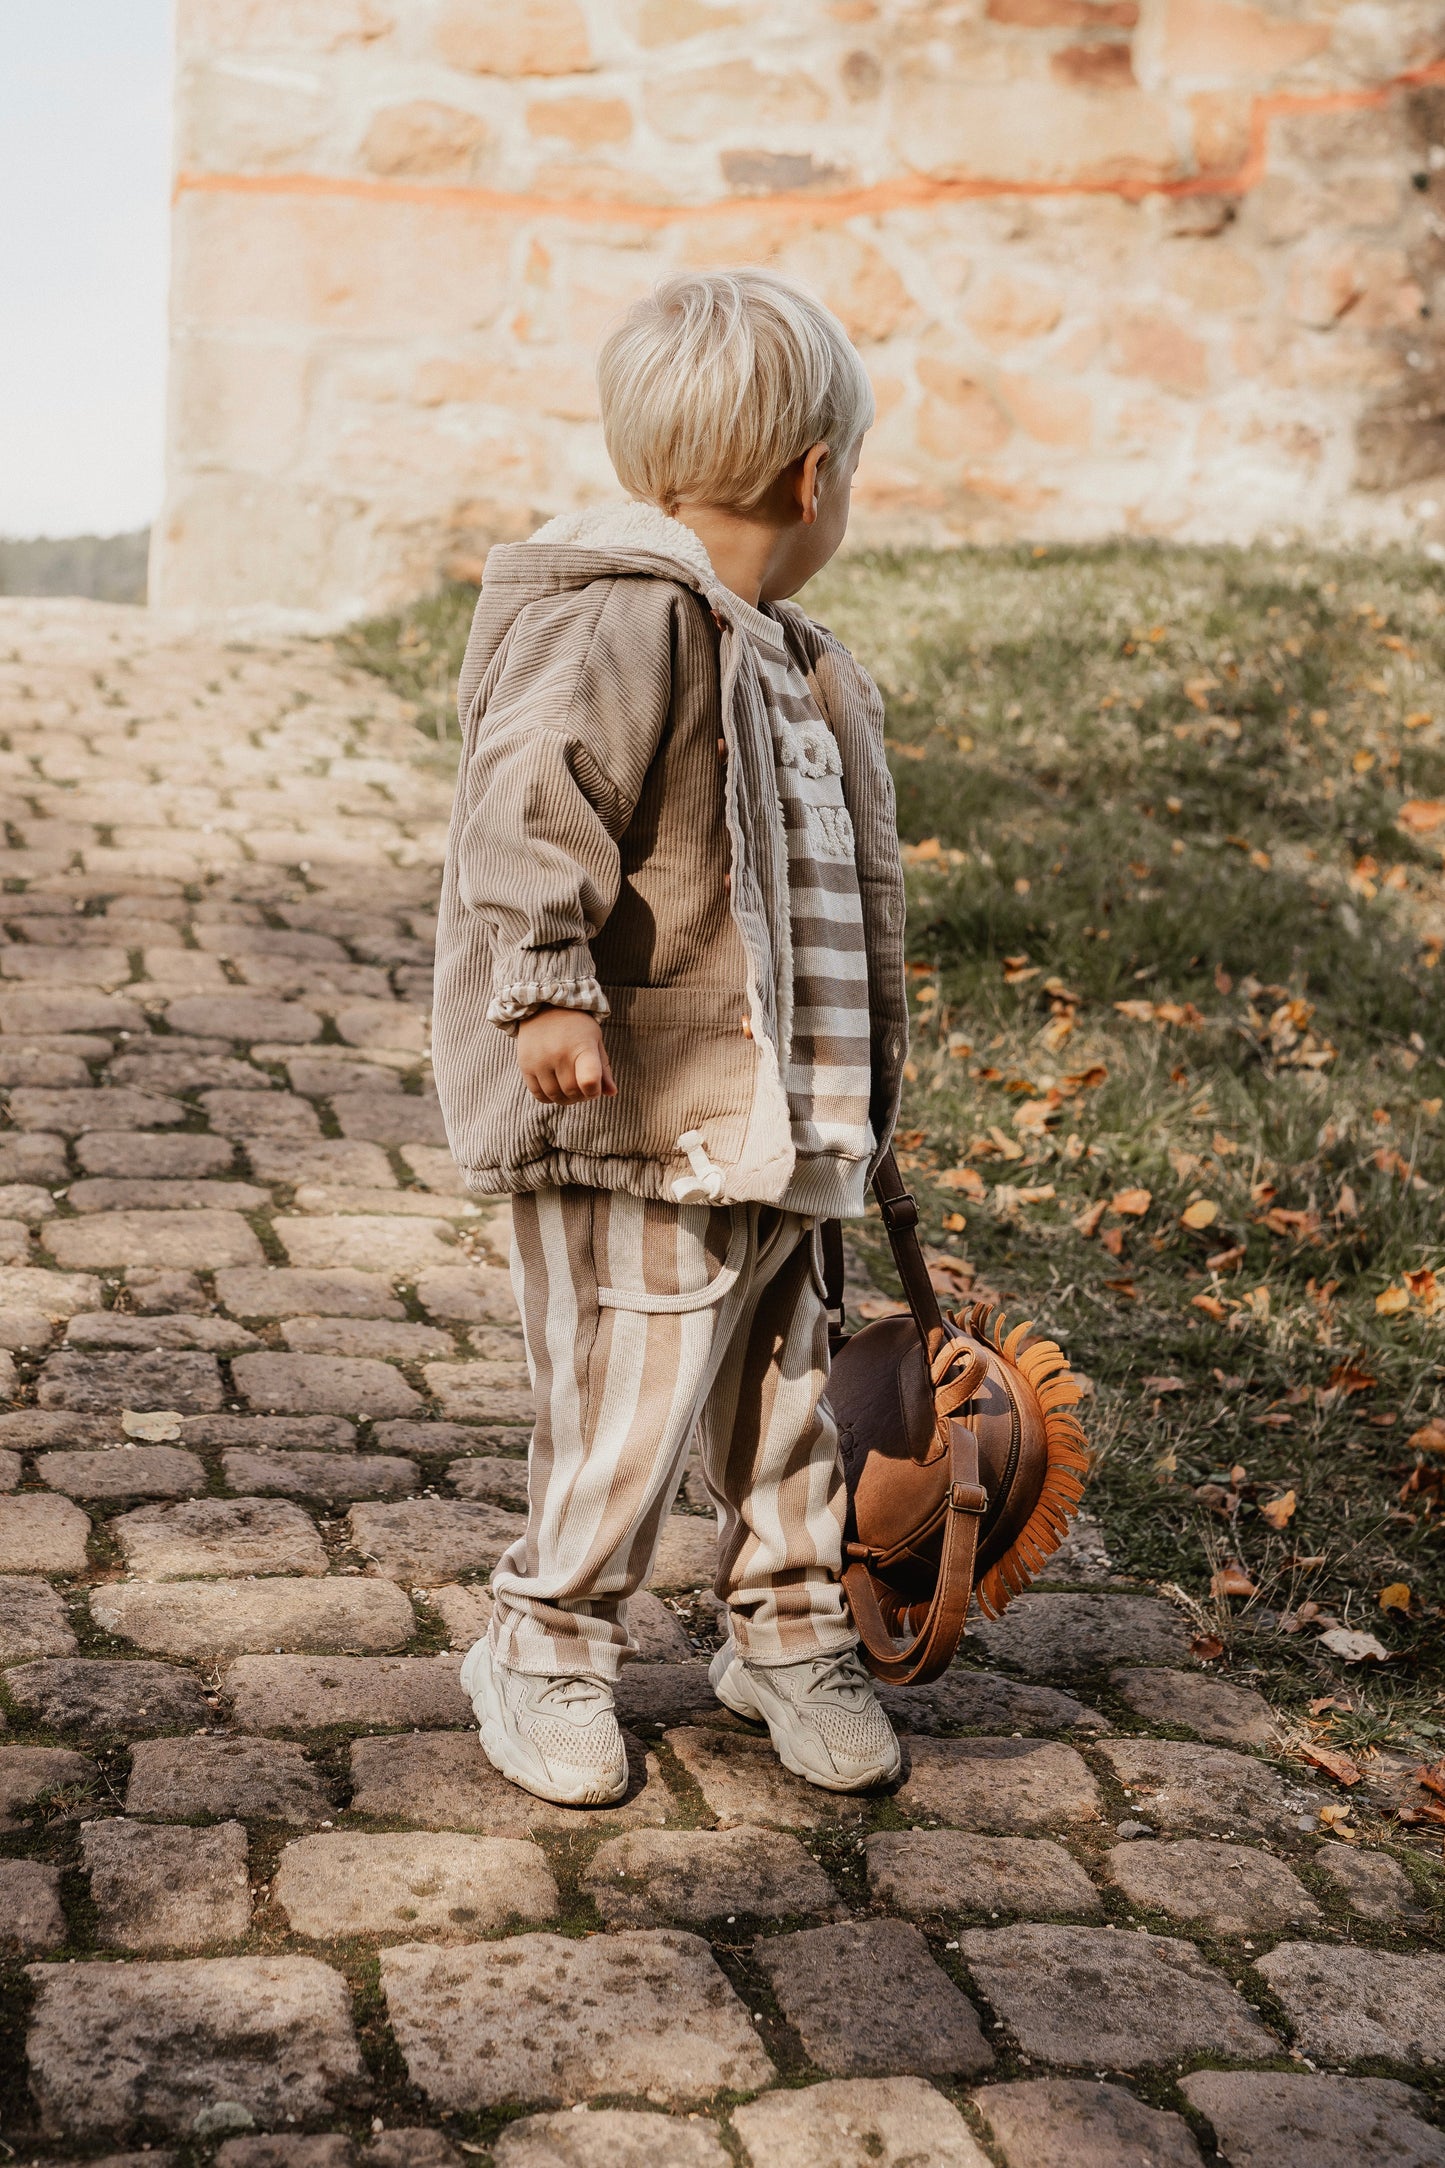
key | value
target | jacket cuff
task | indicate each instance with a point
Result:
(562, 979)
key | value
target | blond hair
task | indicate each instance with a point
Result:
(716, 381)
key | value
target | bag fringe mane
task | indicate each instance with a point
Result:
(1046, 1371)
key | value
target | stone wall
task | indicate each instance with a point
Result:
(1168, 267)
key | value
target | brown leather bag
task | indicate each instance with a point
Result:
(962, 1462)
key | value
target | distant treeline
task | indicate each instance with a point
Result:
(105, 567)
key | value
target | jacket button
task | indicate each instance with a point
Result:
(747, 1028)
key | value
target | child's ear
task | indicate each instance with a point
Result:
(810, 482)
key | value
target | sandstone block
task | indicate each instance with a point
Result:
(982, 1701)
(1049, 2121)
(11, 1468)
(476, 1294)
(1228, 1888)
(1201, 1791)
(40, 1014)
(282, 1291)
(541, 37)
(219, 1536)
(357, 1240)
(645, 2013)
(743, 1781)
(107, 1195)
(150, 1334)
(32, 1621)
(365, 1338)
(1275, 2119)
(448, 1887)
(28, 1157)
(430, 1439)
(270, 1433)
(609, 2138)
(49, 1777)
(443, 1780)
(491, 1480)
(337, 1478)
(323, 1384)
(687, 1553)
(1346, 2004)
(254, 1780)
(275, 1115)
(111, 2044)
(859, 2123)
(54, 1294)
(867, 2000)
(465, 1610)
(1086, 1995)
(131, 1471)
(424, 137)
(356, 1693)
(86, 1384)
(70, 1114)
(692, 1876)
(389, 1118)
(659, 1633)
(1071, 1637)
(167, 1889)
(1008, 1786)
(669, 1694)
(104, 1697)
(40, 1534)
(222, 1618)
(182, 1240)
(428, 1541)
(135, 1155)
(480, 1392)
(31, 1917)
(1372, 1884)
(1234, 1715)
(925, 1871)
(334, 1160)
(244, 1016)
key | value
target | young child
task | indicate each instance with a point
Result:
(670, 1022)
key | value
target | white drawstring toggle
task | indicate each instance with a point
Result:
(704, 1184)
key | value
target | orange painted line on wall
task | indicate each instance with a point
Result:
(906, 192)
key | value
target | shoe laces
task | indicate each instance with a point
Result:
(841, 1675)
(574, 1694)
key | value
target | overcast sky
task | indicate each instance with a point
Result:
(84, 182)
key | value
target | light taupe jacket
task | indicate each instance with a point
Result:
(594, 830)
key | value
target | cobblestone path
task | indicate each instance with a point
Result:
(261, 1897)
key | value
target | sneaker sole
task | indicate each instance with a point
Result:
(742, 1701)
(506, 1753)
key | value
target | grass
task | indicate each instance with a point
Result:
(1176, 913)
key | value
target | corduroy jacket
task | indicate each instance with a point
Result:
(617, 845)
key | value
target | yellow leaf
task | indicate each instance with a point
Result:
(968, 1179)
(1132, 1203)
(1231, 1581)
(1396, 1597)
(1392, 1301)
(1421, 719)
(1202, 1213)
(1362, 762)
(1209, 1304)
(1279, 1510)
(954, 1222)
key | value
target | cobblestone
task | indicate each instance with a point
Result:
(135, 1471)
(443, 1780)
(549, 2020)
(924, 1871)
(174, 1240)
(32, 1622)
(1008, 1786)
(1348, 2004)
(447, 1887)
(693, 1876)
(167, 1889)
(1227, 1888)
(338, 1478)
(190, 1384)
(1273, 2119)
(1057, 1638)
(31, 1916)
(1087, 1995)
(262, 1780)
(283, 1291)
(215, 1619)
(609, 2138)
(1204, 1791)
(49, 1774)
(110, 2044)
(866, 1999)
(219, 1536)
(322, 1385)
(1081, 2123)
(39, 1534)
(87, 1693)
(427, 1542)
(353, 1693)
(1372, 1884)
(859, 2123)
(742, 1780)
(1211, 1708)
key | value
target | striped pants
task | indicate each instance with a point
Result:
(647, 1324)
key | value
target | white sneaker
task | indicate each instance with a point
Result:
(826, 1721)
(556, 1734)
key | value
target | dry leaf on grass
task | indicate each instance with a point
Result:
(1278, 1511)
(1392, 1301)
(875, 1306)
(1087, 1222)
(1210, 1305)
(1396, 1597)
(1421, 816)
(1232, 1580)
(1202, 1213)
(1165, 1385)
(1430, 1437)
(1334, 1763)
(1132, 1203)
(1206, 1647)
(1352, 1646)
(968, 1179)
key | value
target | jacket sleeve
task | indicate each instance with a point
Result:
(560, 753)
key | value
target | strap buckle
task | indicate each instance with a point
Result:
(968, 1498)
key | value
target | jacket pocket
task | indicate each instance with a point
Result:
(681, 1063)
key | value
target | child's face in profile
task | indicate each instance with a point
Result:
(805, 549)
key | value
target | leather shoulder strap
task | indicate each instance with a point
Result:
(900, 1218)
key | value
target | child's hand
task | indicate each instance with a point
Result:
(562, 1057)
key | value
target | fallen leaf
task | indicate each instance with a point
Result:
(1084, 1080)
(968, 1179)
(1419, 719)
(1396, 1597)
(1126, 1288)
(954, 1222)
(1421, 816)
(1032, 1118)
(1232, 1580)
(1223, 1146)
(1086, 1222)
(1132, 1203)
(1278, 1511)
(1345, 1378)
(156, 1426)
(1334, 1763)
(1335, 1814)
(1392, 1301)
(1206, 1647)
(1322, 1702)
(1352, 1646)
(1433, 1780)
(1202, 1213)
(1112, 1239)
(1430, 1437)
(1210, 1305)
(1165, 1385)
(1225, 1260)
(874, 1306)
(1138, 1012)
(1424, 1288)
